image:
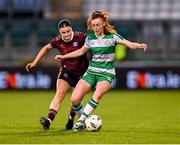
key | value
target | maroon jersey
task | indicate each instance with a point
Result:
(77, 65)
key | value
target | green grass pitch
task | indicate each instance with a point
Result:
(128, 117)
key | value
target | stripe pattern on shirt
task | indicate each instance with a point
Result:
(103, 53)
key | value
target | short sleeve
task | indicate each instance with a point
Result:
(82, 38)
(117, 38)
(86, 43)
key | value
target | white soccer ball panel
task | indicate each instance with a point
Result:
(93, 123)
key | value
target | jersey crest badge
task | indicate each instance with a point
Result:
(75, 44)
(108, 42)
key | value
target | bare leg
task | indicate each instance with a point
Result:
(101, 88)
(80, 90)
(61, 90)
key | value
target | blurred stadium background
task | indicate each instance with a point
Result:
(27, 25)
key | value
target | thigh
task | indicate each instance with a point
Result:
(61, 90)
(101, 88)
(80, 90)
(62, 86)
(106, 78)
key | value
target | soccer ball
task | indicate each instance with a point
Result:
(93, 123)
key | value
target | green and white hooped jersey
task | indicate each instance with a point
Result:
(103, 50)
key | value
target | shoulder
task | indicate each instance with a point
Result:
(55, 41)
(109, 35)
(79, 34)
(91, 35)
(57, 38)
(113, 35)
(117, 35)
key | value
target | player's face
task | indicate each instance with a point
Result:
(98, 26)
(66, 33)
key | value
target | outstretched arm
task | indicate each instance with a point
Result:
(134, 45)
(41, 53)
(73, 54)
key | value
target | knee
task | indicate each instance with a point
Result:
(97, 97)
(61, 93)
(75, 100)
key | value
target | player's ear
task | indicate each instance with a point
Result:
(104, 24)
(59, 30)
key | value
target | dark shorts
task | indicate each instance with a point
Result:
(70, 78)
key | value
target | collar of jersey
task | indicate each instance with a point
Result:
(99, 37)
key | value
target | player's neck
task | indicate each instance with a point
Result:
(72, 35)
(100, 36)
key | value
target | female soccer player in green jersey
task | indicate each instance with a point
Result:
(101, 41)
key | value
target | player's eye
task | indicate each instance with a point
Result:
(97, 25)
(93, 25)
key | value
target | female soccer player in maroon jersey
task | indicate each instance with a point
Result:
(70, 70)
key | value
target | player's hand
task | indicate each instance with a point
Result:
(143, 46)
(58, 57)
(29, 66)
